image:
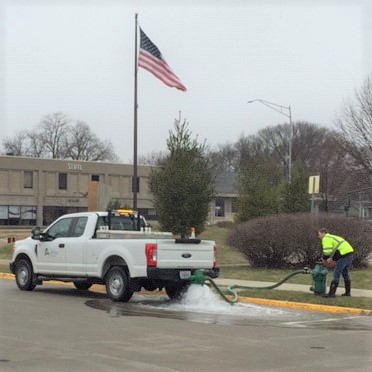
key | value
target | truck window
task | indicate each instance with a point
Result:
(60, 229)
(117, 225)
(121, 223)
(101, 222)
(79, 228)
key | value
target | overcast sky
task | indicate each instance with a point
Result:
(78, 57)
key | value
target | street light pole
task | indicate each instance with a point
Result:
(279, 109)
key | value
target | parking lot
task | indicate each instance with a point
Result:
(62, 329)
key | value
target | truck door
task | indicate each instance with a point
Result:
(75, 248)
(51, 253)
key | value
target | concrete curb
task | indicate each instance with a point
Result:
(252, 300)
(306, 306)
(6, 276)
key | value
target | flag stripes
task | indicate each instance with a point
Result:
(152, 60)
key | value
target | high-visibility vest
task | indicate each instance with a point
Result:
(331, 242)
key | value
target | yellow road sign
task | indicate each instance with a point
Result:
(314, 184)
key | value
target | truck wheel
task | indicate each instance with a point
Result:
(117, 284)
(176, 291)
(83, 286)
(24, 275)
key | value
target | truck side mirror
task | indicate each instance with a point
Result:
(35, 233)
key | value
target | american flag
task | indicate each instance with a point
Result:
(152, 60)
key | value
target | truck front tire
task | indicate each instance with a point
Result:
(117, 284)
(24, 275)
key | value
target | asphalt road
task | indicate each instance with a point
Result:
(57, 328)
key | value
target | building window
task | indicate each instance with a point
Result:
(28, 179)
(62, 181)
(220, 207)
(28, 215)
(95, 178)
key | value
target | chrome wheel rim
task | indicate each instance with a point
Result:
(116, 285)
(22, 275)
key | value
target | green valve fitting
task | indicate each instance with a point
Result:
(198, 277)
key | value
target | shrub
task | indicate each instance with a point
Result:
(291, 240)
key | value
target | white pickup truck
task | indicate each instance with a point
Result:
(85, 248)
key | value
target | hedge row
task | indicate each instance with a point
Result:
(291, 240)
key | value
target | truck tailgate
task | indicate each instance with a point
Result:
(185, 255)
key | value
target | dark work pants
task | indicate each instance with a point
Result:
(342, 267)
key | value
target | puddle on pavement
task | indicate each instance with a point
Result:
(201, 304)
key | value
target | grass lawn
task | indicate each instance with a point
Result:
(6, 252)
(4, 268)
(361, 279)
(225, 255)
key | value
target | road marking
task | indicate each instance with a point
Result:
(300, 323)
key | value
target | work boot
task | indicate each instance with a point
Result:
(332, 290)
(347, 288)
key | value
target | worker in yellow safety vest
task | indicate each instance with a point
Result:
(336, 248)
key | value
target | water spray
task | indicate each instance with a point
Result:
(319, 274)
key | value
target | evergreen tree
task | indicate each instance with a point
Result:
(258, 190)
(183, 186)
(294, 196)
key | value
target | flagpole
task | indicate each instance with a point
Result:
(135, 171)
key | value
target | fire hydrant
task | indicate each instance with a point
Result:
(198, 277)
(319, 275)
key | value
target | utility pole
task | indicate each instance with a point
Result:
(135, 144)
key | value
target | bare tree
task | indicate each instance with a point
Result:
(78, 141)
(314, 149)
(355, 126)
(57, 137)
(35, 145)
(16, 146)
(309, 142)
(275, 141)
(224, 157)
(153, 158)
(82, 144)
(53, 131)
